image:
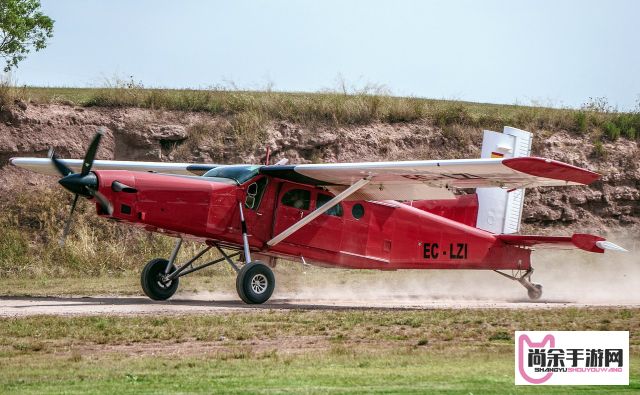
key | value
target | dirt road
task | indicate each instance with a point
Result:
(207, 304)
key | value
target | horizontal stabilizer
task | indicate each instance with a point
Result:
(583, 241)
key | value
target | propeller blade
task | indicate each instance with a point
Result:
(91, 153)
(67, 226)
(105, 205)
(61, 167)
(81, 184)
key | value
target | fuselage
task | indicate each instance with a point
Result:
(385, 235)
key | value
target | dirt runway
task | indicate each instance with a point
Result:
(199, 304)
(571, 279)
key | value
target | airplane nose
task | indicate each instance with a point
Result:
(77, 183)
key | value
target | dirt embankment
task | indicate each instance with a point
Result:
(140, 134)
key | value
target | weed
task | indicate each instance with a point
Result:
(598, 149)
(611, 130)
(452, 114)
(630, 133)
(29, 346)
(597, 104)
(581, 121)
(500, 335)
(75, 357)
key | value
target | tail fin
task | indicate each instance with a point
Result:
(500, 210)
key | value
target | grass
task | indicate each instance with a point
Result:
(367, 372)
(294, 351)
(249, 112)
(400, 327)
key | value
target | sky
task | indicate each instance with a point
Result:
(544, 52)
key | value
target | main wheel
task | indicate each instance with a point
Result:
(536, 292)
(255, 283)
(151, 280)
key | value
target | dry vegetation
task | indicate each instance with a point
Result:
(250, 111)
(29, 246)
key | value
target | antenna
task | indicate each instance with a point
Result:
(266, 161)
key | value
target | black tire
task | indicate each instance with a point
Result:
(255, 283)
(536, 293)
(150, 280)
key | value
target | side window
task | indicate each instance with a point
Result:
(298, 198)
(357, 211)
(336, 210)
(254, 193)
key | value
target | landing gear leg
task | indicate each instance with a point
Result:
(534, 291)
(160, 277)
(255, 281)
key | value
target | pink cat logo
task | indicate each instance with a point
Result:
(550, 340)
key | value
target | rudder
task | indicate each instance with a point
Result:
(500, 211)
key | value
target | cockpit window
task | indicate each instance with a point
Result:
(237, 173)
(254, 193)
(298, 198)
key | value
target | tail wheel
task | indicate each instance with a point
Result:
(255, 283)
(536, 292)
(151, 280)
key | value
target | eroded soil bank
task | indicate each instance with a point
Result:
(143, 134)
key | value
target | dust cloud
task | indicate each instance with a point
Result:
(568, 276)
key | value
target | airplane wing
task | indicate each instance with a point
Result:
(407, 180)
(44, 166)
(433, 179)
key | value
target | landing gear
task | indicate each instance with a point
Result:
(153, 281)
(255, 283)
(534, 290)
(160, 277)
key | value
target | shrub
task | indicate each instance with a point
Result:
(598, 149)
(581, 121)
(453, 114)
(598, 104)
(628, 123)
(630, 133)
(611, 130)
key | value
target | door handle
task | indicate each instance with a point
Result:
(301, 214)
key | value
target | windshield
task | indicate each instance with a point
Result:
(238, 173)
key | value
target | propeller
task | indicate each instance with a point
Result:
(84, 183)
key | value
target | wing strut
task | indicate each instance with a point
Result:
(318, 211)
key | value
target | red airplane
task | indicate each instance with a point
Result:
(374, 215)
